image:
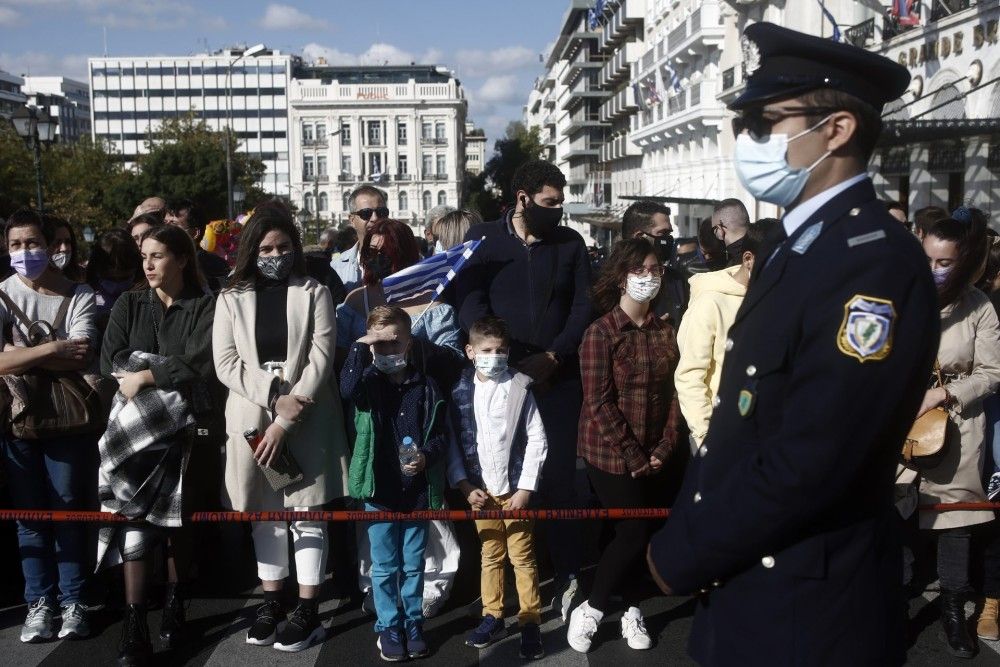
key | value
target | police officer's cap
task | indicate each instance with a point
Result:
(782, 63)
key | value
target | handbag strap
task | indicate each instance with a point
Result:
(60, 317)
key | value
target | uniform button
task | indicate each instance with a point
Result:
(751, 370)
(716, 584)
(716, 401)
(697, 496)
(855, 211)
(729, 345)
(703, 451)
(767, 561)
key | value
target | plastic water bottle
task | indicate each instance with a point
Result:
(407, 454)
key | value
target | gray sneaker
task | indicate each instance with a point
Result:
(74, 622)
(562, 601)
(39, 623)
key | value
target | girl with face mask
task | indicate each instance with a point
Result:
(389, 246)
(628, 428)
(114, 268)
(273, 351)
(969, 357)
(63, 253)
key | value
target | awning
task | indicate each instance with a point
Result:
(903, 132)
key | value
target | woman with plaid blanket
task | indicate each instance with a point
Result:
(158, 345)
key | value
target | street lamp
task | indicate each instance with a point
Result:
(255, 50)
(36, 127)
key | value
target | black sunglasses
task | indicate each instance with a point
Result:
(366, 213)
(759, 121)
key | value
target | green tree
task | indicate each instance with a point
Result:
(517, 147)
(187, 159)
(17, 174)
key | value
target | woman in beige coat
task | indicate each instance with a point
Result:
(273, 343)
(969, 355)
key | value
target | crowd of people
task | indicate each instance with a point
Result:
(154, 381)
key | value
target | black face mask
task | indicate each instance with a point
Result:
(540, 220)
(378, 266)
(664, 247)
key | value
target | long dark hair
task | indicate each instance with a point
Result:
(398, 246)
(269, 216)
(627, 255)
(181, 246)
(73, 270)
(114, 252)
(969, 236)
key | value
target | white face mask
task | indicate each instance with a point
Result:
(642, 289)
(60, 260)
(762, 167)
(491, 365)
(438, 248)
(389, 363)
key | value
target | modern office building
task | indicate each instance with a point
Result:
(11, 96)
(66, 100)
(401, 128)
(247, 89)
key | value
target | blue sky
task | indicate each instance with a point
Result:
(493, 46)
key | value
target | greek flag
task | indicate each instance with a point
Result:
(829, 15)
(435, 273)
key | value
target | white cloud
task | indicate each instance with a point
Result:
(286, 17)
(8, 16)
(36, 63)
(379, 53)
(499, 90)
(477, 62)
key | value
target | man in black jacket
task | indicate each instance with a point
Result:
(649, 220)
(535, 275)
(186, 215)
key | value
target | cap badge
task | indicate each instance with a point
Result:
(751, 55)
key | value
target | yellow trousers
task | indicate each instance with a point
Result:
(503, 539)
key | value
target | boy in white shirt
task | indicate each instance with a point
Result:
(495, 459)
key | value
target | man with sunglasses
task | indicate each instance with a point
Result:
(786, 527)
(367, 204)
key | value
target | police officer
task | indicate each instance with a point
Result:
(785, 526)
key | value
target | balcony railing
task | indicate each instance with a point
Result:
(314, 142)
(404, 177)
(433, 141)
(344, 177)
(316, 178)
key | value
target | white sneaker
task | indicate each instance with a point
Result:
(39, 623)
(582, 627)
(634, 630)
(74, 622)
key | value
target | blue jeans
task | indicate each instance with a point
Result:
(397, 570)
(50, 475)
(559, 408)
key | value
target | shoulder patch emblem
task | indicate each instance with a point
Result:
(808, 236)
(867, 330)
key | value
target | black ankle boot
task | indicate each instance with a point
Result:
(956, 630)
(172, 624)
(135, 649)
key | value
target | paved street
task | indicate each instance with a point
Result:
(219, 619)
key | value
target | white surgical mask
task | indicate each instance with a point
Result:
(438, 248)
(762, 167)
(388, 363)
(941, 274)
(642, 289)
(60, 260)
(491, 365)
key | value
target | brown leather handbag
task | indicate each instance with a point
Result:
(924, 445)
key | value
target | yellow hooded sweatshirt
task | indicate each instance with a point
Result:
(715, 298)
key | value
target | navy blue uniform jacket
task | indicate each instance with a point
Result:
(786, 518)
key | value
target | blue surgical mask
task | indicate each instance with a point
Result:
(762, 167)
(491, 365)
(941, 274)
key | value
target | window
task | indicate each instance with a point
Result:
(345, 134)
(428, 165)
(375, 163)
(441, 170)
(439, 131)
(404, 205)
(345, 165)
(427, 200)
(307, 202)
(374, 133)
(401, 133)
(402, 167)
(307, 167)
(307, 133)
(321, 166)
(324, 202)
(442, 198)
(321, 132)
(425, 131)
(347, 200)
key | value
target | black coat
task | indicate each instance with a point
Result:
(786, 518)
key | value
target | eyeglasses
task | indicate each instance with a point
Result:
(366, 213)
(644, 271)
(759, 121)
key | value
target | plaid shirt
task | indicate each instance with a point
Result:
(630, 410)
